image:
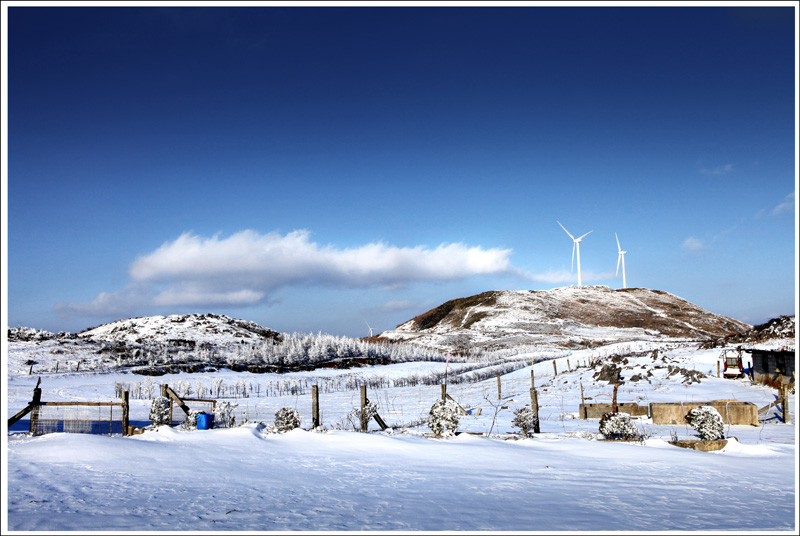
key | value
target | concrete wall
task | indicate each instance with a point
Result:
(732, 412)
(596, 411)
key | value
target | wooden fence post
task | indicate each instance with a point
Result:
(785, 403)
(364, 422)
(555, 370)
(535, 408)
(614, 406)
(533, 383)
(569, 368)
(499, 389)
(125, 412)
(444, 391)
(717, 368)
(315, 406)
(37, 398)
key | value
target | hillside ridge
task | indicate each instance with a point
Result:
(567, 317)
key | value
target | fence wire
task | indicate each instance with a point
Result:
(99, 420)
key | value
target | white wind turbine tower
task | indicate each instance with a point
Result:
(576, 246)
(621, 258)
(370, 328)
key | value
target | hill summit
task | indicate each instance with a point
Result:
(177, 329)
(567, 317)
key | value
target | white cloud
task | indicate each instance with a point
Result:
(121, 303)
(693, 245)
(719, 170)
(399, 305)
(557, 277)
(247, 267)
(786, 206)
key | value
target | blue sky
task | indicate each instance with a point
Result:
(317, 168)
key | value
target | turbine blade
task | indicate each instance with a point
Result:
(585, 235)
(619, 258)
(573, 256)
(565, 230)
(618, 247)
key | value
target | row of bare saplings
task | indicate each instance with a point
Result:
(463, 373)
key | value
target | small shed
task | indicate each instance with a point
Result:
(773, 367)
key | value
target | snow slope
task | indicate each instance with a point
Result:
(249, 478)
(567, 317)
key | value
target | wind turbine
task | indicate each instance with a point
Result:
(576, 246)
(370, 328)
(621, 258)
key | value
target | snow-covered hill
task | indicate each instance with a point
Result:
(567, 317)
(195, 329)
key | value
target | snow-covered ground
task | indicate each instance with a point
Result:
(250, 478)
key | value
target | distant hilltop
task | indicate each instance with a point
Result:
(567, 317)
(192, 329)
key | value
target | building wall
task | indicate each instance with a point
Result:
(773, 367)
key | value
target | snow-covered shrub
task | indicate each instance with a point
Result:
(443, 418)
(223, 414)
(191, 420)
(370, 410)
(707, 421)
(287, 419)
(159, 411)
(525, 419)
(618, 426)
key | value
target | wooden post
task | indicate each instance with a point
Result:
(499, 390)
(569, 368)
(785, 403)
(535, 408)
(30, 370)
(315, 406)
(364, 423)
(444, 391)
(614, 406)
(718, 368)
(57, 367)
(125, 412)
(164, 390)
(533, 383)
(584, 412)
(555, 370)
(78, 367)
(37, 398)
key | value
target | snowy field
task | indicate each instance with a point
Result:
(251, 478)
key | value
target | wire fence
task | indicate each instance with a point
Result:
(78, 419)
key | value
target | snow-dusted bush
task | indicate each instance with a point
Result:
(618, 426)
(159, 411)
(443, 418)
(223, 414)
(287, 419)
(191, 420)
(370, 410)
(707, 421)
(525, 419)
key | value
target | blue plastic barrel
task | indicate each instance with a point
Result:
(205, 421)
